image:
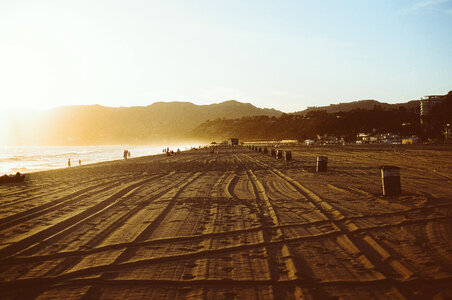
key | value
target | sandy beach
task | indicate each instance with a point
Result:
(236, 224)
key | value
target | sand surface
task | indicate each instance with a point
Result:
(234, 225)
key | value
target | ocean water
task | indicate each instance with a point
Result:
(32, 159)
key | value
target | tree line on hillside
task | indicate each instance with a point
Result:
(402, 121)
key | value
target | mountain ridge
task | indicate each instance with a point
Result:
(366, 104)
(159, 122)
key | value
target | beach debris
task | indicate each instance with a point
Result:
(321, 165)
(390, 180)
(12, 178)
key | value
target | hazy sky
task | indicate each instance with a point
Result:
(282, 54)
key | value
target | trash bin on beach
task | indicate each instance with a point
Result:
(273, 153)
(279, 154)
(287, 155)
(390, 180)
(321, 163)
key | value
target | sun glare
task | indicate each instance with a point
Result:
(25, 78)
(3, 126)
(9, 119)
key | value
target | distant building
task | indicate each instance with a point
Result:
(373, 139)
(362, 138)
(233, 142)
(273, 142)
(410, 140)
(427, 104)
(382, 138)
(407, 141)
(447, 132)
(291, 142)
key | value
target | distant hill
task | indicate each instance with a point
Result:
(361, 104)
(314, 123)
(343, 120)
(94, 124)
(178, 122)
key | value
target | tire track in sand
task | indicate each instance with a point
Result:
(286, 269)
(105, 233)
(58, 204)
(128, 253)
(371, 251)
(68, 223)
(46, 192)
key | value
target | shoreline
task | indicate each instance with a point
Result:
(37, 159)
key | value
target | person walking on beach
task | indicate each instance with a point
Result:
(125, 154)
(69, 162)
(128, 153)
(79, 162)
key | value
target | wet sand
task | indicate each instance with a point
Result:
(233, 225)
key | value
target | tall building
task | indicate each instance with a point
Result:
(427, 103)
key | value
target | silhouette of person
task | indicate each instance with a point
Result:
(79, 162)
(69, 162)
(125, 154)
(128, 153)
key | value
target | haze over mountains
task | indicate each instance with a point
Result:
(161, 122)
